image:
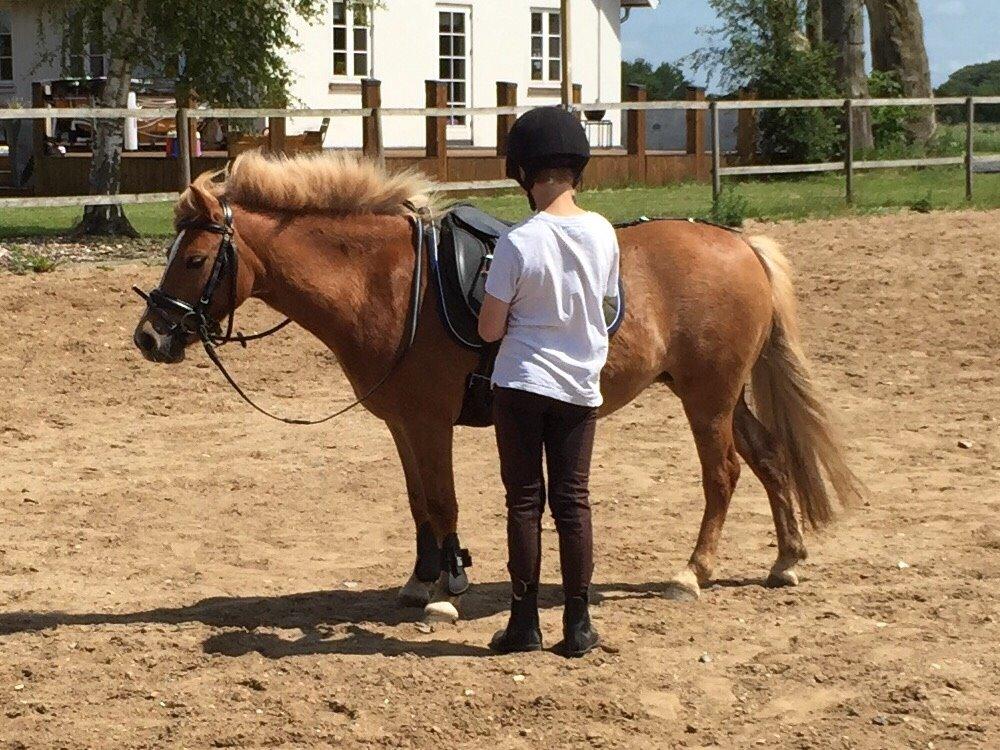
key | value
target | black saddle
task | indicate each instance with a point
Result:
(461, 258)
(467, 237)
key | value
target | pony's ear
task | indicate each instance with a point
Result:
(205, 203)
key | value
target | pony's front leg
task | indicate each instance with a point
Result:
(416, 592)
(433, 452)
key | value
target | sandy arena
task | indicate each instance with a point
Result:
(177, 571)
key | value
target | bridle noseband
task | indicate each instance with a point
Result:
(195, 320)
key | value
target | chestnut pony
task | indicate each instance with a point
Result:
(328, 241)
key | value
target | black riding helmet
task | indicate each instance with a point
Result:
(546, 138)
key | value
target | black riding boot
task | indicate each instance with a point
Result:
(523, 632)
(579, 636)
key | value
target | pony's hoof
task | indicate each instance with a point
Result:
(443, 611)
(683, 587)
(415, 593)
(781, 578)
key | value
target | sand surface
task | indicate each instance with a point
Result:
(176, 571)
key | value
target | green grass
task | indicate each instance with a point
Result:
(152, 219)
(786, 198)
(809, 197)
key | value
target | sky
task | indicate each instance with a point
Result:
(958, 33)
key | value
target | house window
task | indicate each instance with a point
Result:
(352, 37)
(89, 63)
(84, 48)
(546, 45)
(453, 49)
(6, 47)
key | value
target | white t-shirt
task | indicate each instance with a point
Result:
(555, 271)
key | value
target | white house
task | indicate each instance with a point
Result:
(470, 44)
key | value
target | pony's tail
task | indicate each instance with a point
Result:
(789, 405)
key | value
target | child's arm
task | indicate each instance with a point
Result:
(493, 318)
(501, 286)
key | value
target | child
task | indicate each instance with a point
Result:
(545, 293)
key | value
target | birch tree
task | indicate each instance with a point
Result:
(228, 51)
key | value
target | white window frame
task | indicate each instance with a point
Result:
(9, 33)
(548, 39)
(350, 28)
(464, 57)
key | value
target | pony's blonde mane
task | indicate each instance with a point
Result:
(331, 181)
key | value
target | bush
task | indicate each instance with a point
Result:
(731, 209)
(888, 123)
(796, 136)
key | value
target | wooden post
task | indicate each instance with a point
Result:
(970, 154)
(746, 132)
(567, 66)
(849, 151)
(635, 138)
(276, 135)
(716, 153)
(371, 128)
(437, 129)
(40, 171)
(635, 133)
(695, 123)
(696, 131)
(183, 148)
(506, 97)
(38, 124)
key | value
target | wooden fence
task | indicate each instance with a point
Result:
(638, 165)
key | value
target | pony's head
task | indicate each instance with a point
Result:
(201, 286)
(204, 280)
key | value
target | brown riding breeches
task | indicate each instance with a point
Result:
(525, 424)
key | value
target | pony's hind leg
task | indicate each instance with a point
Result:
(760, 450)
(720, 466)
(416, 592)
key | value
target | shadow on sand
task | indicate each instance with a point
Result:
(331, 622)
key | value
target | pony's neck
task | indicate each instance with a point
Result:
(344, 279)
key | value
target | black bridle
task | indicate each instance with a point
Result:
(195, 320)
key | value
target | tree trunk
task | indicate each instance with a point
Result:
(814, 22)
(108, 141)
(897, 39)
(843, 27)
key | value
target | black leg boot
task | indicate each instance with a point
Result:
(579, 636)
(523, 632)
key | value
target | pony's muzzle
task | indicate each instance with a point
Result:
(156, 346)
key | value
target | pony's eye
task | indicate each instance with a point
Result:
(195, 261)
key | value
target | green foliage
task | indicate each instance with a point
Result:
(228, 51)
(981, 79)
(759, 45)
(888, 123)
(22, 261)
(731, 209)
(663, 83)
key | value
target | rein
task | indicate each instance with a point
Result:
(195, 319)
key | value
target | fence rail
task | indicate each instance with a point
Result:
(374, 115)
